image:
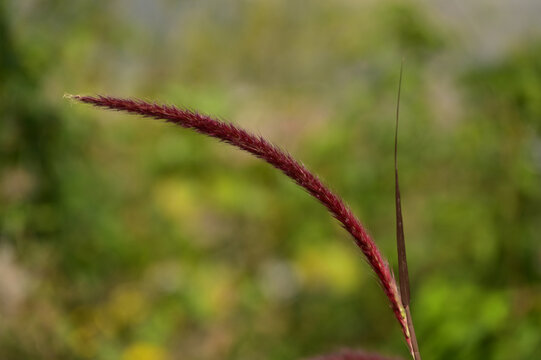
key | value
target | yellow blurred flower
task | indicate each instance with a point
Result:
(176, 200)
(144, 351)
(332, 266)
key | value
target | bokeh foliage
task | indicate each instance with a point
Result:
(126, 239)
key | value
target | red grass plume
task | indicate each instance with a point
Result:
(281, 160)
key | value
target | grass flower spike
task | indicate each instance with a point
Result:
(281, 160)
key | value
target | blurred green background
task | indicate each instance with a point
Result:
(123, 238)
